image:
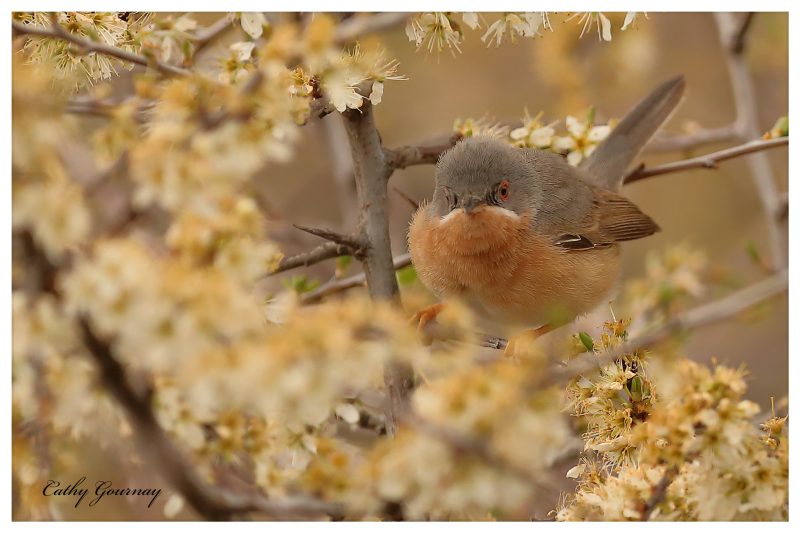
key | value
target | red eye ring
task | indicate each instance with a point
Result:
(503, 190)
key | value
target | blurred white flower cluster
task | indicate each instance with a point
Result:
(470, 454)
(47, 201)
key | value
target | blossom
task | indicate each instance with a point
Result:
(533, 134)
(434, 30)
(515, 24)
(471, 20)
(589, 19)
(630, 18)
(55, 212)
(253, 24)
(582, 139)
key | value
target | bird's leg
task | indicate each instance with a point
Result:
(423, 316)
(522, 343)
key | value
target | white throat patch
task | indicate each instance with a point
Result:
(497, 210)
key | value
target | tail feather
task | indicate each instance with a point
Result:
(608, 163)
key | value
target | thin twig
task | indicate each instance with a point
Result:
(659, 492)
(411, 155)
(357, 243)
(329, 250)
(358, 26)
(738, 42)
(56, 31)
(206, 36)
(670, 142)
(343, 284)
(708, 161)
(697, 317)
(413, 203)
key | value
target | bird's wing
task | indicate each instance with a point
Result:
(612, 218)
(608, 163)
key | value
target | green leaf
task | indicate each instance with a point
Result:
(586, 340)
(407, 275)
(752, 251)
(301, 284)
(636, 388)
(782, 126)
(342, 263)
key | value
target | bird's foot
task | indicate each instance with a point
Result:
(423, 316)
(524, 344)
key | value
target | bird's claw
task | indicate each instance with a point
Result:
(422, 317)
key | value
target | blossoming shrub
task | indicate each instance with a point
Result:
(146, 229)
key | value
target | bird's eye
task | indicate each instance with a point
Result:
(503, 190)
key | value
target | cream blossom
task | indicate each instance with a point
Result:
(253, 24)
(582, 139)
(434, 30)
(515, 24)
(588, 19)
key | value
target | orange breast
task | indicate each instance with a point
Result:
(509, 275)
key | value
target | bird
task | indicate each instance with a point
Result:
(523, 238)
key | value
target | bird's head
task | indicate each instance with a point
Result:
(483, 175)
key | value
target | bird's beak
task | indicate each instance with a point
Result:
(470, 203)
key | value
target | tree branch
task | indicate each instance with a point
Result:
(206, 36)
(371, 175)
(708, 161)
(407, 156)
(671, 142)
(356, 243)
(732, 37)
(329, 250)
(659, 492)
(56, 31)
(211, 502)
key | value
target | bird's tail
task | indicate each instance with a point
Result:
(608, 163)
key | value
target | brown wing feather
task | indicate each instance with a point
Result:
(612, 218)
(618, 219)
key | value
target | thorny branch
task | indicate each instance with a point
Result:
(329, 250)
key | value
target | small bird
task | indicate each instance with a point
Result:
(526, 240)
